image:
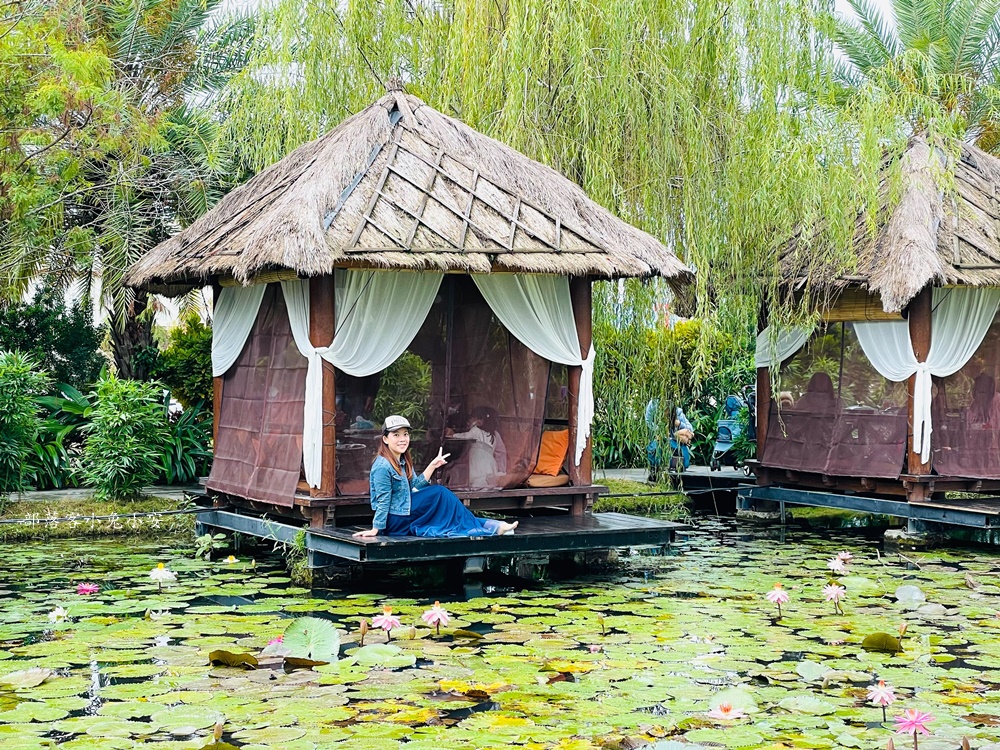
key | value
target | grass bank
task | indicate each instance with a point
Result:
(627, 496)
(22, 520)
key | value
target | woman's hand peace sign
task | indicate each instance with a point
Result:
(439, 460)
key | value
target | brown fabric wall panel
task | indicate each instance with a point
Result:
(839, 416)
(259, 451)
(966, 415)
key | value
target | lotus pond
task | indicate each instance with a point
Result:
(681, 651)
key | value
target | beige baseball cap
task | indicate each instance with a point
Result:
(394, 422)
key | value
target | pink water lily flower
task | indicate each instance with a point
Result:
(835, 593)
(386, 621)
(778, 596)
(836, 565)
(845, 556)
(913, 721)
(436, 616)
(726, 712)
(85, 589)
(882, 695)
(276, 641)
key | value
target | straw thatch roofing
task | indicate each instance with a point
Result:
(400, 185)
(932, 235)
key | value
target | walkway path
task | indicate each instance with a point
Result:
(85, 493)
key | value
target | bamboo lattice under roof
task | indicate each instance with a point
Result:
(400, 185)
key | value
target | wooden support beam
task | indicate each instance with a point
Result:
(216, 381)
(763, 394)
(919, 320)
(580, 294)
(321, 330)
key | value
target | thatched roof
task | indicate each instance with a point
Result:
(400, 185)
(943, 231)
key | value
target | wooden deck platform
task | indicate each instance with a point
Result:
(348, 510)
(541, 534)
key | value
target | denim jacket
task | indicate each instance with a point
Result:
(390, 492)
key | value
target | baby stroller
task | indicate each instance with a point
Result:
(729, 428)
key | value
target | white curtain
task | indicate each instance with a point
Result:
(960, 318)
(234, 315)
(376, 316)
(774, 349)
(537, 310)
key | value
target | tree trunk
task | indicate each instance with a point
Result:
(132, 338)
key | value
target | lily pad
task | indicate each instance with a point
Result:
(312, 638)
(807, 704)
(27, 678)
(882, 642)
(230, 659)
(910, 596)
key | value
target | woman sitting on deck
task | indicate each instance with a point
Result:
(407, 504)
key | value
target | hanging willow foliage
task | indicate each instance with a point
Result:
(702, 123)
(711, 125)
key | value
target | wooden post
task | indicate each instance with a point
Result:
(580, 294)
(321, 330)
(763, 415)
(216, 381)
(919, 320)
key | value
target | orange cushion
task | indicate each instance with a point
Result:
(552, 452)
(546, 480)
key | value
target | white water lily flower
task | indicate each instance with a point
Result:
(161, 573)
(58, 615)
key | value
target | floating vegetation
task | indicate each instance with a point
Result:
(679, 651)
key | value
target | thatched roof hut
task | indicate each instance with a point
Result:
(400, 185)
(931, 236)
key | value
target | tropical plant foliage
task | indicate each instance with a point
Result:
(108, 156)
(60, 337)
(644, 354)
(405, 389)
(186, 452)
(939, 59)
(120, 452)
(185, 364)
(20, 384)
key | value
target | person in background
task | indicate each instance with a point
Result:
(819, 395)
(407, 504)
(681, 436)
(488, 455)
(984, 411)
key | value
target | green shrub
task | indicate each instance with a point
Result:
(185, 364)
(121, 452)
(62, 339)
(187, 452)
(20, 384)
(405, 389)
(639, 358)
(54, 462)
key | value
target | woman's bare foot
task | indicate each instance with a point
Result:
(506, 528)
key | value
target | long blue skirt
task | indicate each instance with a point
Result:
(437, 511)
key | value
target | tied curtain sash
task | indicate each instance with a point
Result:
(538, 311)
(960, 319)
(377, 314)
